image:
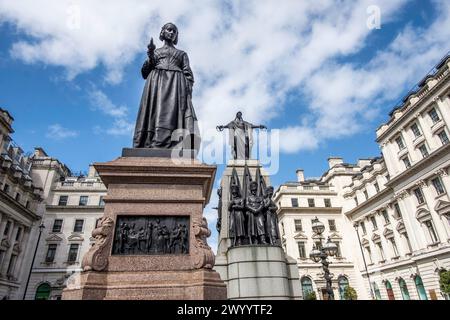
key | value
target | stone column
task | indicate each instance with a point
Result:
(425, 128)
(406, 208)
(21, 256)
(430, 200)
(8, 254)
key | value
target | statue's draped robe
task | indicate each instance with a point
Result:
(237, 218)
(240, 138)
(166, 103)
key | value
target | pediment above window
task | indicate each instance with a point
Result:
(75, 237)
(388, 233)
(54, 238)
(423, 215)
(401, 227)
(335, 236)
(300, 236)
(442, 207)
(365, 242)
(317, 236)
(5, 243)
(376, 237)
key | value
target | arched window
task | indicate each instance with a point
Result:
(342, 283)
(404, 289)
(376, 290)
(43, 292)
(420, 288)
(307, 287)
(390, 292)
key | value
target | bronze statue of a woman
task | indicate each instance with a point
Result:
(166, 115)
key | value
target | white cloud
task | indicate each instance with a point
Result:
(58, 132)
(246, 55)
(101, 102)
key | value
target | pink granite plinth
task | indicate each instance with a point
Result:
(150, 186)
(154, 285)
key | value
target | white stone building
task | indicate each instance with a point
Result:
(299, 203)
(400, 204)
(73, 206)
(393, 210)
(21, 210)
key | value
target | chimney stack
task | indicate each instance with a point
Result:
(332, 161)
(300, 175)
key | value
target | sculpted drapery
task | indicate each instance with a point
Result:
(166, 103)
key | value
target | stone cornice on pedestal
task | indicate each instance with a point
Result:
(160, 170)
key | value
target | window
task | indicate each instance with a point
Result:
(369, 255)
(332, 224)
(51, 251)
(298, 225)
(363, 227)
(83, 200)
(8, 225)
(398, 212)
(338, 252)
(390, 292)
(394, 247)
(404, 289)
(366, 195)
(11, 266)
(438, 186)
(27, 205)
(43, 292)
(416, 131)
(311, 203)
(443, 136)
(424, 151)
(374, 222)
(408, 243)
(63, 200)
(380, 251)
(420, 288)
(342, 284)
(307, 287)
(400, 143)
(308, 187)
(406, 162)
(73, 253)
(78, 227)
(18, 197)
(434, 115)
(419, 195)
(301, 250)
(356, 200)
(327, 203)
(376, 290)
(294, 202)
(57, 225)
(101, 202)
(431, 231)
(19, 233)
(377, 187)
(385, 216)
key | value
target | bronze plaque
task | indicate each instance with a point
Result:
(151, 235)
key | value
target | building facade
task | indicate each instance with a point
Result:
(400, 203)
(393, 210)
(74, 204)
(299, 203)
(21, 210)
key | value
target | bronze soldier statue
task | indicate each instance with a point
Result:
(254, 205)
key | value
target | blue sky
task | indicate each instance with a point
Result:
(70, 74)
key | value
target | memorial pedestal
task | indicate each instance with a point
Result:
(252, 271)
(145, 193)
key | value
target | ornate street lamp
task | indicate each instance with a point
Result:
(41, 228)
(322, 253)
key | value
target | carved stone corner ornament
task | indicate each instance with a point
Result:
(203, 256)
(97, 257)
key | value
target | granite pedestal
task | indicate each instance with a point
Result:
(151, 186)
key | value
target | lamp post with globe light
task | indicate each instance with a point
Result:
(329, 249)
